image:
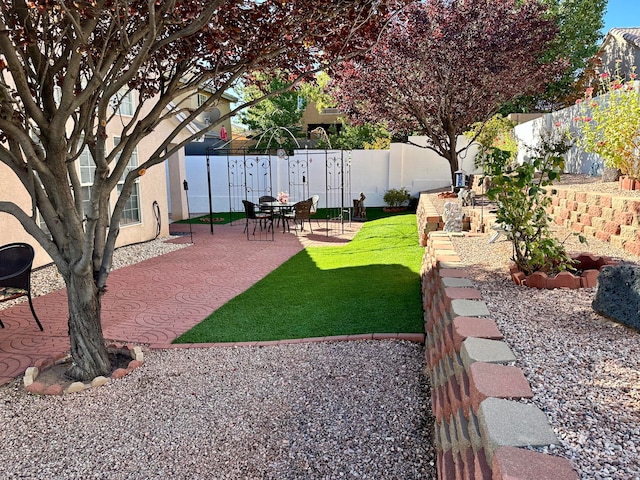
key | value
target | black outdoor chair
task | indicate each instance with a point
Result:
(266, 208)
(258, 218)
(15, 274)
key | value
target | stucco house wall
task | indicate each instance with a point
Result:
(152, 188)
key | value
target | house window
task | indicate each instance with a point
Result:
(87, 175)
(123, 102)
(131, 213)
(202, 98)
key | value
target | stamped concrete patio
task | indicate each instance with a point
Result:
(154, 301)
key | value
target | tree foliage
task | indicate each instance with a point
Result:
(365, 136)
(447, 64)
(497, 132)
(66, 65)
(580, 23)
(276, 119)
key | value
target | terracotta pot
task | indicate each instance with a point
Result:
(628, 183)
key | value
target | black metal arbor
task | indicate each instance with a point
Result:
(250, 175)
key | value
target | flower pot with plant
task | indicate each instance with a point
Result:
(397, 199)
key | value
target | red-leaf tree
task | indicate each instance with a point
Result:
(66, 64)
(446, 64)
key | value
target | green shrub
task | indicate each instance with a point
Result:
(519, 191)
(396, 197)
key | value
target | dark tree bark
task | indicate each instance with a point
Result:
(85, 329)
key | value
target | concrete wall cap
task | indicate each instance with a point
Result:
(484, 350)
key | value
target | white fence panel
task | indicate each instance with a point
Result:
(371, 172)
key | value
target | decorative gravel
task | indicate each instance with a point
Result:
(316, 410)
(584, 369)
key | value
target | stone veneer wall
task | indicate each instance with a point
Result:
(482, 430)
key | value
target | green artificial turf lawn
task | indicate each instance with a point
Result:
(370, 285)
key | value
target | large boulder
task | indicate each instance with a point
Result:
(618, 294)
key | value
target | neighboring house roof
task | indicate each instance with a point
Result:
(630, 35)
(620, 51)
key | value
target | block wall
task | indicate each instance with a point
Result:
(482, 428)
(613, 219)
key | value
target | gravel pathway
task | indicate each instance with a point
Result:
(584, 369)
(312, 411)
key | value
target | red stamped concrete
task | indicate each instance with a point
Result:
(155, 301)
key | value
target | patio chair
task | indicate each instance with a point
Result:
(265, 208)
(314, 207)
(16, 260)
(258, 218)
(301, 212)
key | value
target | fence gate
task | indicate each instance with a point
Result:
(298, 176)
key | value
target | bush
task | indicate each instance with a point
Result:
(521, 196)
(396, 197)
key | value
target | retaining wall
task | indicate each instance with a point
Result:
(482, 429)
(609, 218)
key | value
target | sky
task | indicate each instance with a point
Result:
(622, 13)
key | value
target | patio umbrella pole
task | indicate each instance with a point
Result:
(186, 189)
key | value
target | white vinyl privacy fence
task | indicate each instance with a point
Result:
(337, 176)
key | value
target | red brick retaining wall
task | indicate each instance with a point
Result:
(610, 218)
(613, 219)
(481, 428)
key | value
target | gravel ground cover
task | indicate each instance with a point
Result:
(313, 411)
(584, 369)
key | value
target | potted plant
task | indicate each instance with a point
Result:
(396, 199)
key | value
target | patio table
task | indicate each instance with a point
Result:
(280, 209)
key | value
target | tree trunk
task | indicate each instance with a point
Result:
(453, 156)
(88, 349)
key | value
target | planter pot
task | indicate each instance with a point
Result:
(628, 183)
(586, 275)
(395, 209)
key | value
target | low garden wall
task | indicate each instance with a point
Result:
(482, 430)
(609, 218)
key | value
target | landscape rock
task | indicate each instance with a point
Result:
(452, 217)
(618, 294)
